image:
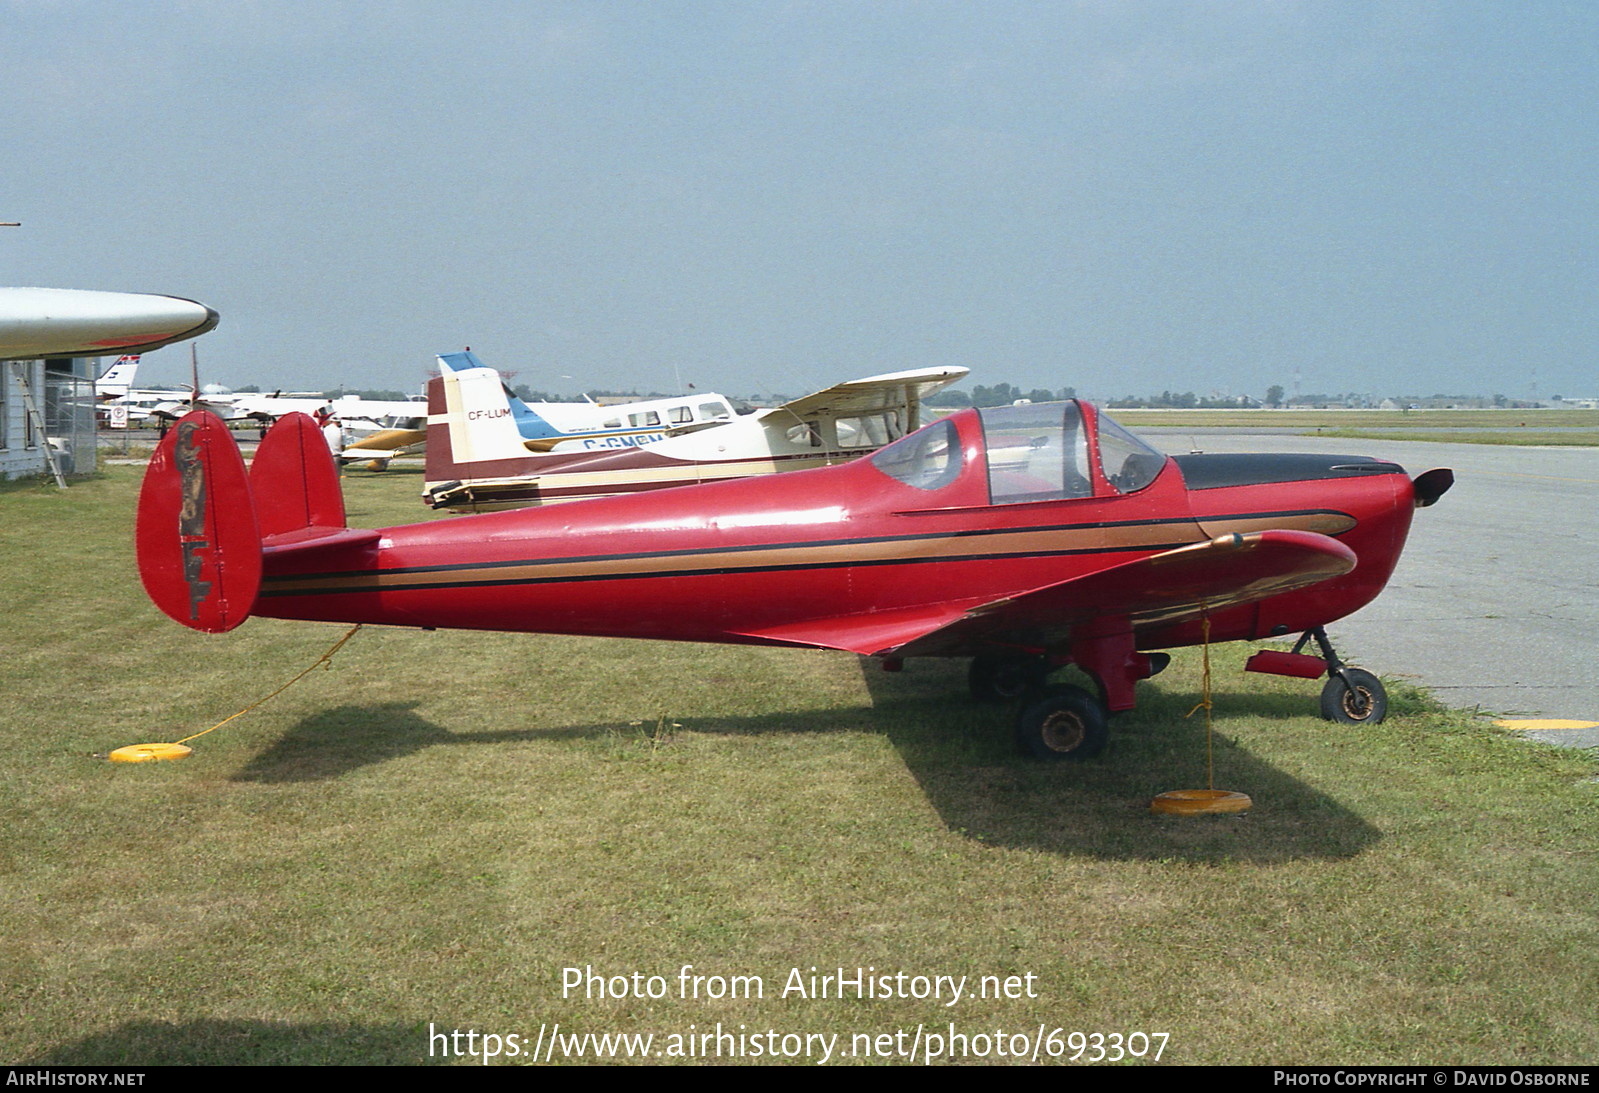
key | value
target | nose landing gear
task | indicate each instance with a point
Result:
(1352, 696)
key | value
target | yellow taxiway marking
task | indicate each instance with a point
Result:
(1548, 723)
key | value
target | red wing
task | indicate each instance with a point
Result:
(1174, 586)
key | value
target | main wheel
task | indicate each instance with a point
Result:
(1062, 723)
(1003, 677)
(1354, 698)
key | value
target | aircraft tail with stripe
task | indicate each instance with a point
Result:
(486, 420)
(117, 380)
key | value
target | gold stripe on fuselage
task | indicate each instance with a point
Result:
(1022, 542)
(1326, 523)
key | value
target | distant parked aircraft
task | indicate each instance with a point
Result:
(479, 460)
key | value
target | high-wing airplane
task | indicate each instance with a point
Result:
(478, 460)
(152, 405)
(70, 322)
(373, 430)
(1026, 537)
(476, 392)
(359, 419)
(480, 394)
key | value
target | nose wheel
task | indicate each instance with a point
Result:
(1353, 696)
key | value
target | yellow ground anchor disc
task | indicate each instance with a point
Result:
(1195, 802)
(1192, 802)
(143, 753)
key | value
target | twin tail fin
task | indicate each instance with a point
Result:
(206, 527)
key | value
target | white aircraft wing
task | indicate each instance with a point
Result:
(66, 322)
(873, 394)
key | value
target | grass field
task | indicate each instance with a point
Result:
(1564, 428)
(430, 832)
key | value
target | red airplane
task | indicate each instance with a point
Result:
(1026, 537)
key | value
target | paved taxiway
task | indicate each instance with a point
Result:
(1495, 602)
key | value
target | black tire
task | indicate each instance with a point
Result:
(1354, 697)
(1005, 677)
(1063, 723)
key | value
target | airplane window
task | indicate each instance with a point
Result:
(1130, 463)
(865, 432)
(681, 415)
(927, 460)
(1036, 452)
(805, 433)
(714, 411)
(648, 417)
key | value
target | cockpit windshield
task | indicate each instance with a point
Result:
(1130, 463)
(1036, 452)
(927, 460)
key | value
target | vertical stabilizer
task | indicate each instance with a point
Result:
(118, 379)
(294, 479)
(199, 547)
(483, 424)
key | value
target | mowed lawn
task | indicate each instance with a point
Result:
(431, 832)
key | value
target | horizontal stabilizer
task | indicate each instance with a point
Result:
(313, 540)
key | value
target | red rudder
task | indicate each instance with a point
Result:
(199, 547)
(294, 479)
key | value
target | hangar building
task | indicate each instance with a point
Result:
(62, 391)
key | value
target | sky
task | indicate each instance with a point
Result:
(1123, 197)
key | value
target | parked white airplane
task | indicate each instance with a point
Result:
(579, 426)
(268, 408)
(546, 426)
(478, 459)
(357, 416)
(70, 322)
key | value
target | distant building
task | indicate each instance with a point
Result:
(63, 392)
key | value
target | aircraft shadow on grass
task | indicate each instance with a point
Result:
(244, 1042)
(336, 742)
(1101, 807)
(962, 756)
